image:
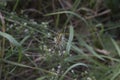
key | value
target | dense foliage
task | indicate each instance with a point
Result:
(59, 40)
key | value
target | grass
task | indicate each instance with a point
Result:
(54, 46)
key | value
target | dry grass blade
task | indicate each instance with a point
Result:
(3, 30)
(66, 4)
(99, 14)
(105, 52)
(2, 50)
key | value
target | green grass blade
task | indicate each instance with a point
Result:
(115, 75)
(69, 43)
(116, 46)
(41, 78)
(69, 12)
(75, 65)
(10, 38)
(26, 66)
(77, 49)
(93, 52)
(25, 38)
(76, 4)
(83, 43)
(16, 4)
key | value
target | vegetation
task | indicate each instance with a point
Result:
(59, 40)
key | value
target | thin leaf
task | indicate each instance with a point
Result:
(25, 38)
(69, 43)
(68, 12)
(75, 65)
(10, 38)
(83, 43)
(26, 66)
(116, 46)
(41, 78)
(115, 75)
